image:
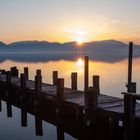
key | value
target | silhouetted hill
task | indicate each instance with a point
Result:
(41, 46)
(2, 45)
(106, 50)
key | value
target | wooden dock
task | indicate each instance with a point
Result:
(77, 112)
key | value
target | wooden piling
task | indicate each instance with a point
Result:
(74, 80)
(129, 113)
(26, 72)
(86, 72)
(60, 89)
(38, 72)
(96, 83)
(23, 78)
(38, 82)
(130, 66)
(133, 87)
(55, 77)
(23, 81)
(91, 104)
(14, 71)
(8, 77)
(3, 71)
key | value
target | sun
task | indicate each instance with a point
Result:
(78, 35)
(80, 40)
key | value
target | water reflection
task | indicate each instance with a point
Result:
(113, 76)
(10, 128)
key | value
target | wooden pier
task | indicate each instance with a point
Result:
(84, 114)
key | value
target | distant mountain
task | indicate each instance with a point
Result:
(2, 45)
(106, 50)
(35, 46)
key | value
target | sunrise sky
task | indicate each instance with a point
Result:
(69, 20)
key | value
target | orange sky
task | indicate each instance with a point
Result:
(64, 20)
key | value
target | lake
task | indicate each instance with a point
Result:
(113, 77)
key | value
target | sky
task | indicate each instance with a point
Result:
(69, 20)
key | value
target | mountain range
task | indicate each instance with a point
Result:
(35, 46)
(106, 50)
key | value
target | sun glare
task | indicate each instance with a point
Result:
(80, 41)
(79, 62)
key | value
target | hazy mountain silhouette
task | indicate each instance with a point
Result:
(2, 45)
(106, 50)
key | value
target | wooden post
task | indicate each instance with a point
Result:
(86, 72)
(130, 66)
(3, 71)
(38, 72)
(96, 83)
(91, 104)
(26, 72)
(38, 126)
(23, 77)
(129, 113)
(55, 77)
(23, 81)
(133, 87)
(8, 77)
(14, 71)
(38, 82)
(74, 80)
(60, 89)
(60, 97)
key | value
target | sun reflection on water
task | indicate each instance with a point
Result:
(80, 63)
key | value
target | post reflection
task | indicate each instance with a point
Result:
(23, 118)
(9, 109)
(38, 126)
(0, 106)
(60, 133)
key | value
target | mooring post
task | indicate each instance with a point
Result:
(130, 85)
(14, 71)
(38, 72)
(22, 97)
(91, 105)
(8, 78)
(38, 82)
(55, 77)
(26, 72)
(96, 83)
(129, 113)
(59, 98)
(60, 89)
(74, 80)
(23, 81)
(23, 87)
(3, 71)
(86, 72)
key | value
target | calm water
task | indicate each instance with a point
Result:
(113, 77)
